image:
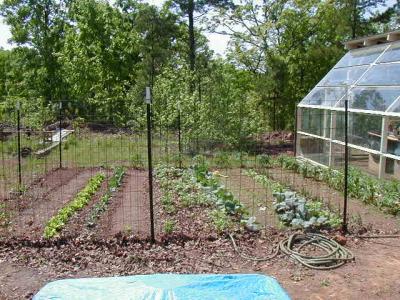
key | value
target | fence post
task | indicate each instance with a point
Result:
(346, 162)
(150, 162)
(19, 145)
(60, 135)
(179, 138)
(295, 133)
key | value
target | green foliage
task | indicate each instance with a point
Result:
(179, 185)
(264, 160)
(221, 220)
(295, 210)
(169, 226)
(101, 206)
(137, 161)
(98, 57)
(381, 193)
(4, 215)
(222, 160)
(56, 223)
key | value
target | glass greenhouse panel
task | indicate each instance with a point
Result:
(362, 56)
(364, 161)
(315, 121)
(371, 98)
(337, 156)
(392, 54)
(327, 96)
(384, 74)
(314, 149)
(392, 169)
(396, 107)
(343, 76)
(364, 130)
(393, 136)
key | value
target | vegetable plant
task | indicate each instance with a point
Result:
(169, 226)
(101, 206)
(56, 223)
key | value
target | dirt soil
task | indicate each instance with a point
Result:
(194, 247)
(128, 211)
(44, 198)
(373, 275)
(253, 195)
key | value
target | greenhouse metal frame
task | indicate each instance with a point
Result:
(368, 78)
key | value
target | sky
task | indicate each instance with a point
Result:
(217, 42)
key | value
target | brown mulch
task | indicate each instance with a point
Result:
(128, 210)
(31, 211)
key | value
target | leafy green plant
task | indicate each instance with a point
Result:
(222, 160)
(296, 211)
(4, 215)
(381, 193)
(101, 206)
(169, 226)
(56, 223)
(264, 160)
(137, 161)
(221, 220)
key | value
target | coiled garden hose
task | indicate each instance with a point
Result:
(336, 255)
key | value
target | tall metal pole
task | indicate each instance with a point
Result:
(60, 135)
(346, 162)
(295, 133)
(179, 138)
(150, 163)
(19, 146)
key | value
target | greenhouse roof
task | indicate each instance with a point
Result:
(368, 75)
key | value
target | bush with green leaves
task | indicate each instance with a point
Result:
(56, 223)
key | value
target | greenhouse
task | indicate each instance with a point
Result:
(368, 78)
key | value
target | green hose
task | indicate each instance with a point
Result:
(336, 255)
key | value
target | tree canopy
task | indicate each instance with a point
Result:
(97, 58)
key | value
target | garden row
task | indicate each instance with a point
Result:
(197, 192)
(198, 186)
(56, 224)
(381, 193)
(295, 209)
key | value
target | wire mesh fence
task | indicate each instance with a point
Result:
(47, 171)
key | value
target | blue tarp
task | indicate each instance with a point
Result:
(166, 287)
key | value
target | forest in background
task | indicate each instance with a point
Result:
(98, 57)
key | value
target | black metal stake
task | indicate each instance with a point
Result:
(19, 146)
(60, 136)
(150, 165)
(179, 139)
(295, 133)
(346, 166)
